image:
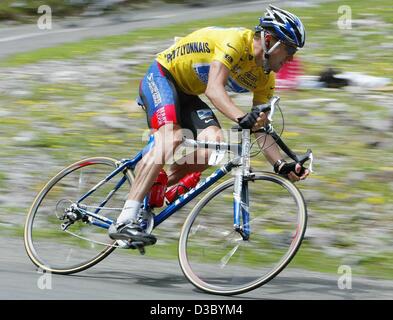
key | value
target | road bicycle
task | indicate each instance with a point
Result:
(240, 235)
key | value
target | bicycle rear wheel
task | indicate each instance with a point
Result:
(216, 259)
(82, 245)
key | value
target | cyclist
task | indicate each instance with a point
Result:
(211, 61)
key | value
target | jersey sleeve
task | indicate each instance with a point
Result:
(229, 50)
(265, 92)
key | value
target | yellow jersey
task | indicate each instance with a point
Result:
(188, 61)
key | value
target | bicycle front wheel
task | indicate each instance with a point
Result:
(82, 244)
(216, 259)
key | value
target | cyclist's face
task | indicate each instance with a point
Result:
(281, 55)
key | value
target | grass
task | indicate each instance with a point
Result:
(3, 178)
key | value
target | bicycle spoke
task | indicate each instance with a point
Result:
(211, 230)
(224, 260)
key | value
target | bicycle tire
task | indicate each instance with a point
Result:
(200, 248)
(32, 236)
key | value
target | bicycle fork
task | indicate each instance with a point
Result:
(240, 194)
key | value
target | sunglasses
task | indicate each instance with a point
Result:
(291, 50)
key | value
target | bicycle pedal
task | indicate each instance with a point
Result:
(123, 244)
(142, 250)
(138, 245)
(64, 226)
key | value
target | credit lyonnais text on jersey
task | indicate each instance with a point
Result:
(189, 60)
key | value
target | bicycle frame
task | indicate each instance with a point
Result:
(240, 194)
(241, 217)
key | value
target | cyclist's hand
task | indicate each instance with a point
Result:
(293, 171)
(253, 120)
(300, 173)
(261, 121)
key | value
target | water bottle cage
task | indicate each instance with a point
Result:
(177, 190)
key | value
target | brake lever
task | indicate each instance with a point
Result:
(307, 156)
(271, 107)
(264, 108)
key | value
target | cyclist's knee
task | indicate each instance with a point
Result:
(167, 138)
(212, 133)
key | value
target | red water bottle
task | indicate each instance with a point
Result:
(186, 183)
(157, 192)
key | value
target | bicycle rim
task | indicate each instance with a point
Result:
(83, 245)
(217, 260)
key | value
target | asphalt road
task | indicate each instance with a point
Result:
(122, 276)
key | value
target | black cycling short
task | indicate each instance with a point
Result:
(165, 102)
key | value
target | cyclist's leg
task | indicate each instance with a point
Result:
(160, 99)
(166, 139)
(196, 117)
(160, 96)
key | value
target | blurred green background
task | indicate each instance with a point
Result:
(26, 10)
(63, 103)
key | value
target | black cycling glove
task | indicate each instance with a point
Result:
(287, 168)
(249, 119)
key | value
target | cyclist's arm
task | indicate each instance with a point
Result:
(268, 145)
(215, 91)
(272, 153)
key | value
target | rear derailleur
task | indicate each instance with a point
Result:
(72, 214)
